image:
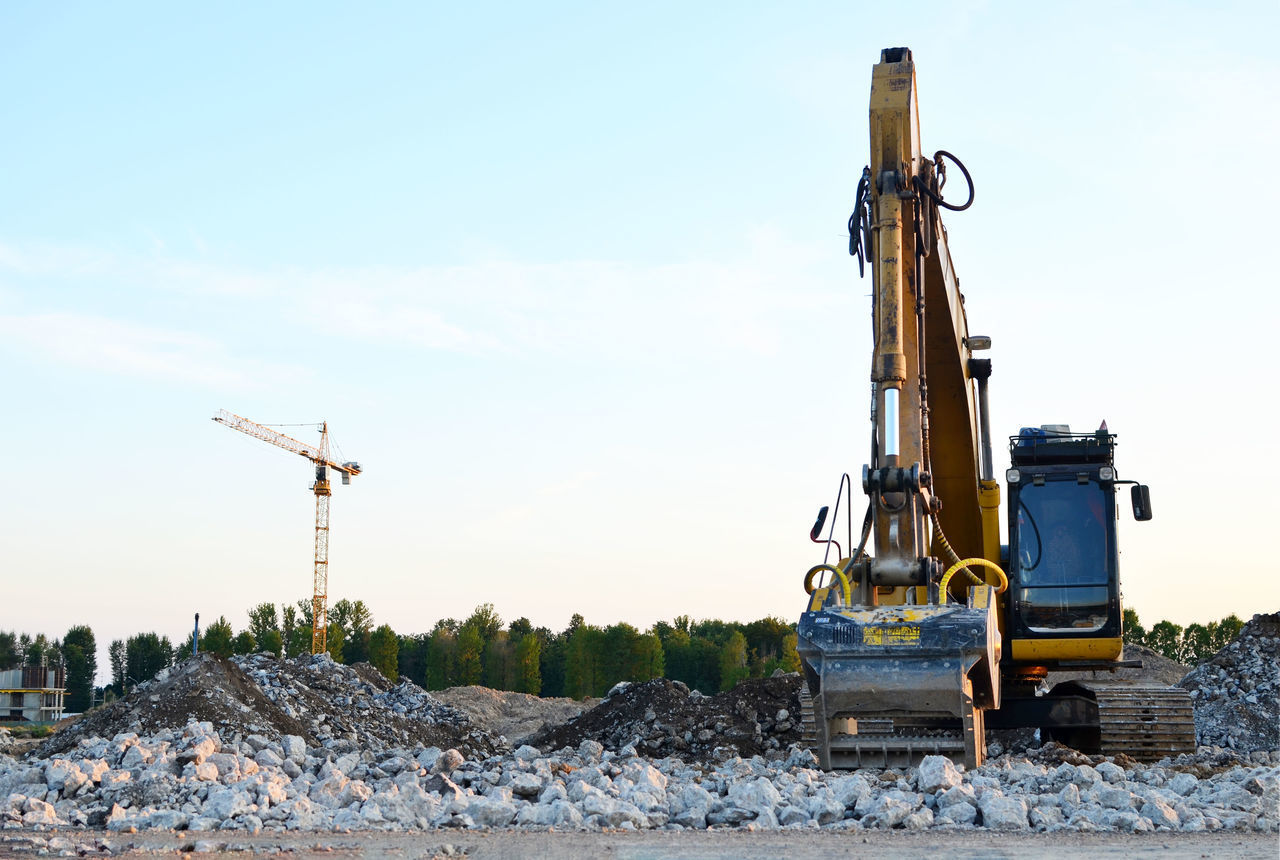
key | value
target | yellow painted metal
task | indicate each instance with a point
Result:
(989, 502)
(954, 441)
(895, 149)
(320, 588)
(1032, 650)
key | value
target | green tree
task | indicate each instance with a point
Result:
(384, 651)
(585, 670)
(300, 642)
(144, 655)
(765, 640)
(1133, 630)
(335, 641)
(790, 656)
(733, 660)
(289, 631)
(42, 650)
(470, 651)
(713, 629)
(1197, 642)
(519, 628)
(80, 651)
(262, 619)
(357, 624)
(117, 653)
(500, 662)
(244, 643)
(1228, 628)
(411, 661)
(218, 637)
(617, 654)
(1166, 638)
(529, 664)
(442, 657)
(9, 656)
(551, 662)
(272, 642)
(484, 620)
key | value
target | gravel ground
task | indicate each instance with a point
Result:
(720, 845)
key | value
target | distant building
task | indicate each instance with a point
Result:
(32, 694)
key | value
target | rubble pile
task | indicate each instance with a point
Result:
(258, 744)
(1237, 691)
(191, 779)
(326, 704)
(663, 717)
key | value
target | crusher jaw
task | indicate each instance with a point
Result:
(887, 685)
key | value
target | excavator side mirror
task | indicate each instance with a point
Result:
(817, 525)
(1141, 496)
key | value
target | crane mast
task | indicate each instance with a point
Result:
(319, 455)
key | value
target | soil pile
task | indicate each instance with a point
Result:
(515, 716)
(1235, 691)
(1156, 669)
(324, 703)
(662, 717)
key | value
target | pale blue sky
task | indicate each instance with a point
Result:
(571, 281)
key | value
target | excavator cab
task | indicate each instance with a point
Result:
(1063, 566)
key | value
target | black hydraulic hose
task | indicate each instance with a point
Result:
(936, 196)
(859, 223)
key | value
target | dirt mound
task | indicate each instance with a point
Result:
(661, 718)
(204, 688)
(1236, 690)
(324, 703)
(1156, 669)
(515, 716)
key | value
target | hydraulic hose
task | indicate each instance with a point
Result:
(845, 591)
(981, 562)
(949, 555)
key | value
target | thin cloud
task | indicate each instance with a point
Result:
(595, 310)
(112, 346)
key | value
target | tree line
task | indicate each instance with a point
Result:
(579, 661)
(1189, 645)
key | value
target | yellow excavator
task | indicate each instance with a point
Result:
(931, 630)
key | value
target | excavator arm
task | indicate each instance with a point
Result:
(927, 422)
(894, 669)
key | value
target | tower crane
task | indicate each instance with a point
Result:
(319, 455)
